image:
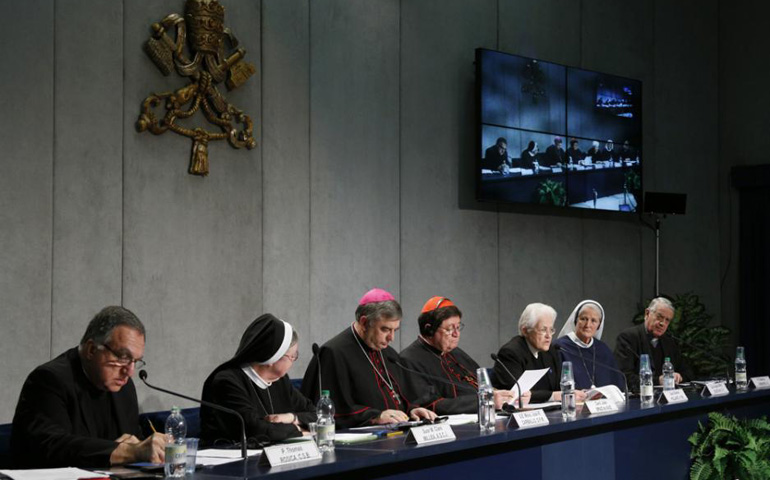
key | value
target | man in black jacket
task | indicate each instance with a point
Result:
(80, 409)
(650, 338)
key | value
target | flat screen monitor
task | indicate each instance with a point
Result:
(555, 135)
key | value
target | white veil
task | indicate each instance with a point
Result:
(569, 326)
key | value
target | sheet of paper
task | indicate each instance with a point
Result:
(535, 406)
(462, 418)
(529, 378)
(348, 438)
(304, 438)
(68, 473)
(226, 453)
(214, 461)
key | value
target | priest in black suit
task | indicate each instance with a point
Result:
(80, 409)
(360, 369)
(531, 350)
(650, 338)
(254, 383)
(449, 370)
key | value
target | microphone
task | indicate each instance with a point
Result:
(433, 377)
(610, 367)
(515, 380)
(244, 452)
(703, 350)
(317, 354)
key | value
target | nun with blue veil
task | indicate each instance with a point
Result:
(580, 342)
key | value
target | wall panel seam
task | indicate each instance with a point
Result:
(309, 159)
(53, 180)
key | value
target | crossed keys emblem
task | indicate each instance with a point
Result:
(170, 49)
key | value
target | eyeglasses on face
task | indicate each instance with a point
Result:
(123, 360)
(293, 358)
(456, 328)
(543, 331)
(659, 317)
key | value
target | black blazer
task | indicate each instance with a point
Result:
(52, 426)
(516, 356)
(633, 342)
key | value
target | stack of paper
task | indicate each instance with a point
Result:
(67, 473)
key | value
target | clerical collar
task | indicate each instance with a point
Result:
(430, 346)
(654, 341)
(255, 378)
(360, 339)
(534, 351)
(577, 341)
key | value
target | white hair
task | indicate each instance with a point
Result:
(656, 302)
(532, 313)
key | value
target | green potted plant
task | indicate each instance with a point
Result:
(704, 345)
(551, 192)
(727, 447)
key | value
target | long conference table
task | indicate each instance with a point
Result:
(579, 184)
(636, 442)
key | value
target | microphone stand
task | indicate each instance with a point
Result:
(244, 452)
(703, 350)
(625, 379)
(515, 380)
(433, 377)
(317, 354)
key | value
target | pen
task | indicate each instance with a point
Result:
(151, 425)
(394, 434)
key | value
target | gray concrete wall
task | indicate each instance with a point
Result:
(364, 116)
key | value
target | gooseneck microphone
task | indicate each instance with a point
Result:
(706, 352)
(244, 452)
(433, 377)
(317, 354)
(515, 380)
(609, 367)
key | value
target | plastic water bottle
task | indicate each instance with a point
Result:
(741, 380)
(668, 375)
(568, 408)
(486, 401)
(176, 448)
(325, 422)
(645, 379)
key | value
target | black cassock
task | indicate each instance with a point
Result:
(63, 420)
(232, 388)
(359, 383)
(458, 393)
(518, 358)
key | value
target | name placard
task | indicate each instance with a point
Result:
(601, 406)
(760, 382)
(290, 453)
(715, 389)
(421, 435)
(532, 418)
(556, 170)
(673, 396)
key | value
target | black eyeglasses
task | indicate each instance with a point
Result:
(455, 328)
(123, 360)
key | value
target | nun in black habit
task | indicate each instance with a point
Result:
(254, 383)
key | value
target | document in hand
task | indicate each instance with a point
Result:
(528, 379)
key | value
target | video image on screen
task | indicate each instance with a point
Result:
(556, 135)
